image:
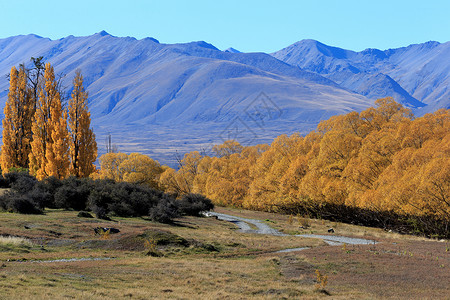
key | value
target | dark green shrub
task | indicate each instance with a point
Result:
(101, 212)
(103, 197)
(41, 198)
(194, 204)
(48, 187)
(100, 198)
(132, 200)
(73, 193)
(165, 211)
(3, 182)
(15, 202)
(20, 181)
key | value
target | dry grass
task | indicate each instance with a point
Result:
(303, 225)
(205, 258)
(399, 270)
(15, 241)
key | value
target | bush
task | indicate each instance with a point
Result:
(3, 183)
(47, 189)
(101, 212)
(15, 202)
(41, 198)
(73, 193)
(194, 204)
(69, 197)
(132, 200)
(20, 181)
(165, 211)
(100, 198)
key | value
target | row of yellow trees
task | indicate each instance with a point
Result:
(382, 159)
(42, 136)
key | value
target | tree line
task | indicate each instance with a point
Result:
(40, 135)
(381, 167)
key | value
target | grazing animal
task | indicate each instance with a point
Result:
(331, 230)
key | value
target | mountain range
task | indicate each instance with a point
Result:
(164, 99)
(417, 75)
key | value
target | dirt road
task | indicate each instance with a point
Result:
(245, 226)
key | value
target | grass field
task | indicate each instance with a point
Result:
(205, 258)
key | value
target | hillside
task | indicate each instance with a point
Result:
(146, 93)
(413, 74)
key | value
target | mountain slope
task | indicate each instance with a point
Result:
(413, 74)
(155, 98)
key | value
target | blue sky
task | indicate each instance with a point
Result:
(248, 26)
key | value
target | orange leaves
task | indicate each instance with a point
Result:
(83, 147)
(141, 169)
(379, 159)
(49, 148)
(57, 151)
(227, 148)
(18, 111)
(35, 133)
(110, 163)
(135, 167)
(420, 179)
(9, 157)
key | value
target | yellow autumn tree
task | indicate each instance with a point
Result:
(229, 173)
(18, 111)
(58, 149)
(141, 169)
(109, 165)
(172, 182)
(135, 168)
(9, 148)
(185, 176)
(49, 148)
(82, 144)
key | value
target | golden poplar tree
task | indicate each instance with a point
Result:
(58, 149)
(49, 148)
(17, 122)
(83, 147)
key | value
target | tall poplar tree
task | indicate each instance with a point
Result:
(58, 149)
(49, 148)
(83, 147)
(18, 112)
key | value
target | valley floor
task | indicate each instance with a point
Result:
(208, 258)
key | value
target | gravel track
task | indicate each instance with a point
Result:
(244, 226)
(262, 228)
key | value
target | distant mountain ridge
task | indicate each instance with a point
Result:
(157, 98)
(413, 74)
(164, 81)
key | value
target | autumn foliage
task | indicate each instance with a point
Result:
(35, 128)
(83, 148)
(19, 110)
(380, 160)
(135, 168)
